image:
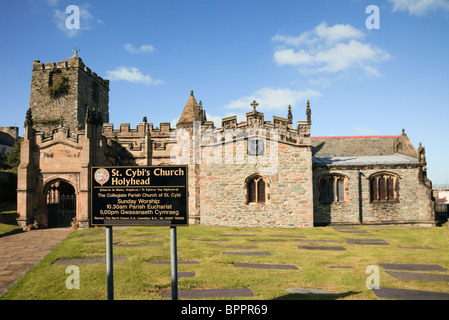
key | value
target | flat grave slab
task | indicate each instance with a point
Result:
(237, 247)
(354, 231)
(341, 267)
(367, 241)
(211, 293)
(317, 241)
(401, 275)
(313, 247)
(210, 240)
(184, 274)
(309, 291)
(247, 253)
(168, 262)
(266, 266)
(89, 260)
(415, 248)
(237, 235)
(286, 236)
(407, 294)
(412, 267)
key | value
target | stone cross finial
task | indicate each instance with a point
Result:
(309, 113)
(290, 115)
(254, 104)
(200, 110)
(75, 51)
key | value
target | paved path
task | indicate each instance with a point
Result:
(20, 252)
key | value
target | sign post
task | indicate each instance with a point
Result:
(109, 263)
(139, 196)
(174, 263)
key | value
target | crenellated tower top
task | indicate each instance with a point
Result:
(66, 90)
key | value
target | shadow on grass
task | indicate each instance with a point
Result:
(315, 296)
(440, 219)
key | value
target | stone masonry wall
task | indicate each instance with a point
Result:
(414, 205)
(71, 106)
(223, 192)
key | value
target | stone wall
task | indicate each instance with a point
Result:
(414, 205)
(12, 132)
(58, 157)
(71, 106)
(289, 193)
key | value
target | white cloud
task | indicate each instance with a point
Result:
(420, 7)
(321, 33)
(365, 131)
(330, 50)
(272, 99)
(131, 75)
(147, 48)
(215, 119)
(86, 19)
(52, 3)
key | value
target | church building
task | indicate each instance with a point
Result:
(255, 173)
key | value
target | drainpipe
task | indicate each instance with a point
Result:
(360, 196)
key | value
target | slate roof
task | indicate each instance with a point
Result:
(394, 159)
(354, 146)
(6, 139)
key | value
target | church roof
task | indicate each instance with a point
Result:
(6, 139)
(394, 159)
(191, 111)
(362, 146)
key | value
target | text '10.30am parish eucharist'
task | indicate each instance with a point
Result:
(146, 195)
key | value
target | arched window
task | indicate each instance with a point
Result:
(384, 187)
(332, 188)
(256, 190)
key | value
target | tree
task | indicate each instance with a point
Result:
(10, 160)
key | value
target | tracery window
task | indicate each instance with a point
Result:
(384, 187)
(332, 189)
(256, 189)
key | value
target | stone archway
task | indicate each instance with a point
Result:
(60, 203)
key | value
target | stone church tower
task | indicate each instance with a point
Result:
(63, 139)
(62, 92)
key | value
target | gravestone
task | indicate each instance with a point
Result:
(265, 266)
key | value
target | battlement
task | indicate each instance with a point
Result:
(57, 134)
(72, 62)
(255, 122)
(164, 130)
(125, 131)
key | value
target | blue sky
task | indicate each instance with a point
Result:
(359, 81)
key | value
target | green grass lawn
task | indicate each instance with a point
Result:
(137, 279)
(7, 208)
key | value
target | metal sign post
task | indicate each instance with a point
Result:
(174, 263)
(140, 196)
(109, 263)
